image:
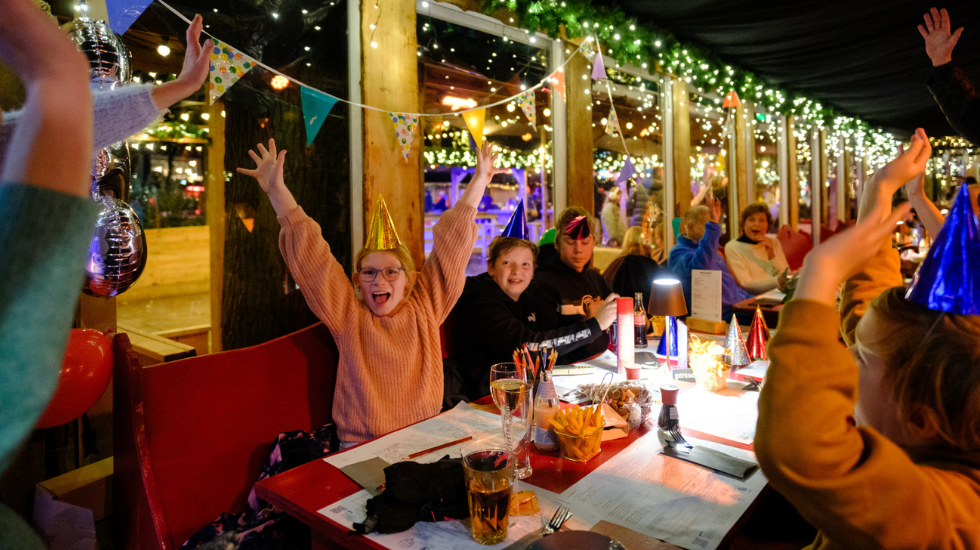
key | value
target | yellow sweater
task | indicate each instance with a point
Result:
(390, 370)
(855, 485)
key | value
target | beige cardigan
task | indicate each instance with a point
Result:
(751, 266)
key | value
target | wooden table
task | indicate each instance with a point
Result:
(770, 312)
(304, 490)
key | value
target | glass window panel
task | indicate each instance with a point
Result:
(461, 68)
(766, 164)
(801, 133)
(638, 109)
(709, 160)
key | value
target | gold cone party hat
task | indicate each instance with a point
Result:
(382, 235)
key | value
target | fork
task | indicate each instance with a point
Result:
(559, 519)
(678, 437)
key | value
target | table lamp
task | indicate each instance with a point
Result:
(667, 300)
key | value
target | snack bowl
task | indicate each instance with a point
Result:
(580, 447)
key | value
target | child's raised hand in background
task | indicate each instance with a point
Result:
(268, 171)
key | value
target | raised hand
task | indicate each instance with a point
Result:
(939, 41)
(485, 171)
(197, 61)
(880, 188)
(268, 166)
(268, 171)
(714, 207)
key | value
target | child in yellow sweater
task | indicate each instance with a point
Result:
(390, 369)
(907, 475)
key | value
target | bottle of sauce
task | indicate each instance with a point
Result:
(546, 407)
(639, 322)
(624, 328)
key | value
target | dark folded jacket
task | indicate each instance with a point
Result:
(958, 98)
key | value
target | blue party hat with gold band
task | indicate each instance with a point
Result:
(949, 277)
(382, 235)
(517, 226)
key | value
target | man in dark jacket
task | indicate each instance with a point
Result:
(954, 92)
(571, 276)
(503, 309)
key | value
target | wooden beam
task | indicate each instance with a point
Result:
(216, 215)
(389, 80)
(793, 197)
(682, 149)
(579, 131)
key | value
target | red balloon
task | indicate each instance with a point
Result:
(85, 374)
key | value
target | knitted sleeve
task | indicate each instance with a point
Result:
(44, 236)
(119, 113)
(322, 280)
(444, 274)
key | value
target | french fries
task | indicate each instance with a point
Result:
(579, 432)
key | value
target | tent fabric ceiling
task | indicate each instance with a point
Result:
(864, 58)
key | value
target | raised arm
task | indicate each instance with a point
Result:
(444, 273)
(852, 483)
(930, 216)
(952, 88)
(321, 278)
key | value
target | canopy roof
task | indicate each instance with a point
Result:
(863, 57)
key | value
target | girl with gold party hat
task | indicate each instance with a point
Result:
(390, 369)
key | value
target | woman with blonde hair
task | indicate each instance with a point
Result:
(634, 270)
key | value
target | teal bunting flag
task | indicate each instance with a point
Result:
(316, 107)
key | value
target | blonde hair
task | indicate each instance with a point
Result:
(635, 243)
(404, 257)
(932, 359)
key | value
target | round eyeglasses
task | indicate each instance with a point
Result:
(369, 274)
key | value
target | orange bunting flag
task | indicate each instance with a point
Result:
(731, 100)
(557, 80)
(474, 121)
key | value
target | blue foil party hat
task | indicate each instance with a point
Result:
(517, 226)
(949, 277)
(672, 327)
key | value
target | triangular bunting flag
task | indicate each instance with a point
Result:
(227, 66)
(598, 69)
(123, 13)
(526, 101)
(474, 121)
(731, 100)
(948, 279)
(627, 172)
(612, 123)
(588, 49)
(557, 80)
(405, 127)
(316, 107)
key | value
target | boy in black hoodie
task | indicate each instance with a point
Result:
(503, 309)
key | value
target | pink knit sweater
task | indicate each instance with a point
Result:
(390, 371)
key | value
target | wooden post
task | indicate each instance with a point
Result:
(389, 80)
(578, 91)
(824, 178)
(793, 196)
(682, 149)
(743, 168)
(215, 212)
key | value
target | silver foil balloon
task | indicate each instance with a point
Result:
(111, 172)
(109, 58)
(117, 254)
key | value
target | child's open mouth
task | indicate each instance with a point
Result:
(380, 298)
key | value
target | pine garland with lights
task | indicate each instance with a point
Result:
(629, 43)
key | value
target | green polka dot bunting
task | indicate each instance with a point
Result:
(227, 66)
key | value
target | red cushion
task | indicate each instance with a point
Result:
(795, 244)
(208, 421)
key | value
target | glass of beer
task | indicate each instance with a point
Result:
(489, 475)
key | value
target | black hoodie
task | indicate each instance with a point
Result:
(570, 286)
(486, 326)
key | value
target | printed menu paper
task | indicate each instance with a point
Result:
(706, 294)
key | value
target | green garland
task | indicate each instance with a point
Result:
(629, 43)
